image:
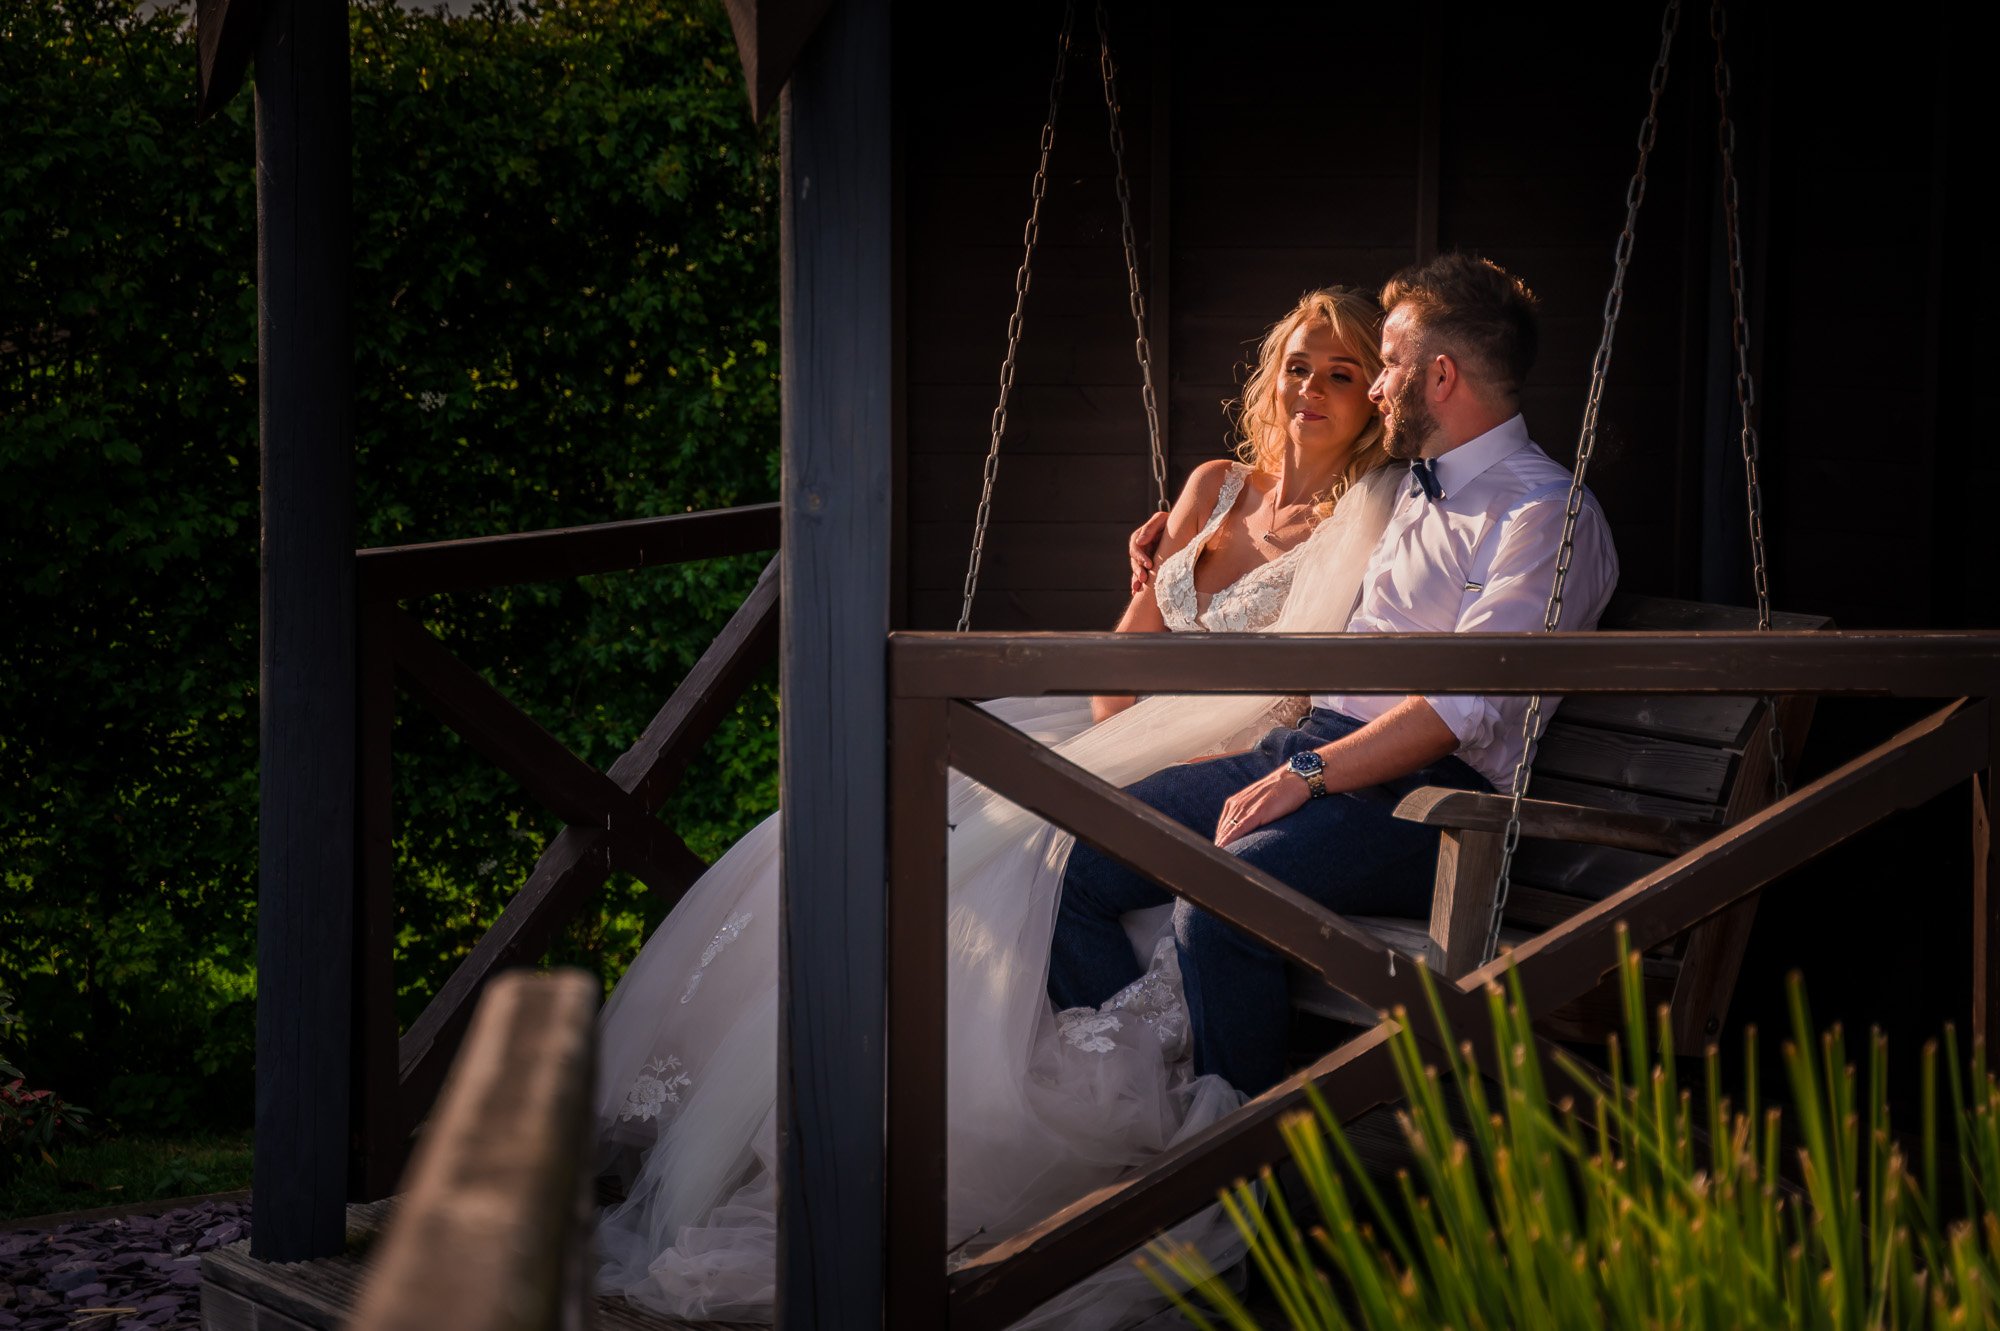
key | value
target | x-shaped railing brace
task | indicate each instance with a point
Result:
(609, 815)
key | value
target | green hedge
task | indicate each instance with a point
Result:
(565, 307)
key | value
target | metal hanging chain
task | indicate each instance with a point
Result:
(1600, 370)
(1142, 345)
(1029, 235)
(1746, 389)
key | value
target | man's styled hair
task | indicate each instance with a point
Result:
(1474, 310)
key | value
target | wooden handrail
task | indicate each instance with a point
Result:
(492, 1230)
(399, 572)
(1906, 664)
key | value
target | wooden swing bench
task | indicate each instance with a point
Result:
(1622, 784)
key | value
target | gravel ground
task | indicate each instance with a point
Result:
(115, 1274)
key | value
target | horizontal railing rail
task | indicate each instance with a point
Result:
(400, 572)
(1912, 664)
(933, 729)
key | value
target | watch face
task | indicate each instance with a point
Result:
(1307, 763)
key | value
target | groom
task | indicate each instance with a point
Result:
(1471, 546)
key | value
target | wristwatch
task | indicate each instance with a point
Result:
(1309, 767)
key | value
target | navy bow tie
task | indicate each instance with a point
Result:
(1427, 477)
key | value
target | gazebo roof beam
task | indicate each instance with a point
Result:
(769, 36)
(225, 33)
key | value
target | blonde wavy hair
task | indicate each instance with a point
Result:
(1260, 426)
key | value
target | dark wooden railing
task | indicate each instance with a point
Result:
(934, 727)
(608, 817)
(492, 1230)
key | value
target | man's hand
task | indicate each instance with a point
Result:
(1139, 549)
(1260, 803)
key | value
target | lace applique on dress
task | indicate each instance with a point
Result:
(1089, 1029)
(1250, 603)
(658, 1085)
(1155, 999)
(724, 936)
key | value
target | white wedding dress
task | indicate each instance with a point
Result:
(1043, 1106)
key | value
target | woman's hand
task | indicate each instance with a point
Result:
(1139, 549)
(1262, 802)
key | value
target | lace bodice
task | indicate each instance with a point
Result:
(1250, 603)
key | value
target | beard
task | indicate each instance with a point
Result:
(1408, 424)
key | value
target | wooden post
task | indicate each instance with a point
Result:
(379, 1144)
(914, 1271)
(306, 668)
(1986, 893)
(1466, 881)
(832, 674)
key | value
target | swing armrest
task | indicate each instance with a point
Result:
(1472, 811)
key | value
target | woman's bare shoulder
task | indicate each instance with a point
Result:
(1204, 483)
(1212, 473)
(1196, 501)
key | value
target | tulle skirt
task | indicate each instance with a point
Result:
(1043, 1106)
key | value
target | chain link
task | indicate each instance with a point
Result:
(1746, 388)
(1029, 235)
(1600, 370)
(1142, 345)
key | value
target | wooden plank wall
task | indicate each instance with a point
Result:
(1861, 216)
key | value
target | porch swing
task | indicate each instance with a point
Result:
(1619, 785)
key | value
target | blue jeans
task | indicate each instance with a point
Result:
(1347, 852)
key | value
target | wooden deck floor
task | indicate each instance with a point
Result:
(240, 1293)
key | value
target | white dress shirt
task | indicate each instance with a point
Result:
(1482, 559)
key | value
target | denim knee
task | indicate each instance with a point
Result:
(1208, 936)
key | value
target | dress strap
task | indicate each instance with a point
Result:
(1225, 499)
(1180, 604)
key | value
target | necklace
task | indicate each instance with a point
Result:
(1276, 532)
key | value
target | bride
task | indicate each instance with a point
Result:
(1044, 1105)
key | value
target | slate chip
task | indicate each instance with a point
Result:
(49, 1279)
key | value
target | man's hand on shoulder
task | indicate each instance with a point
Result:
(1139, 550)
(1261, 803)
